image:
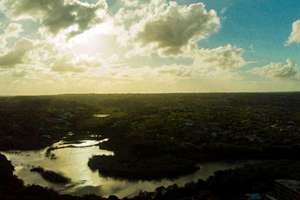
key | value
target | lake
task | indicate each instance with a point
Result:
(70, 159)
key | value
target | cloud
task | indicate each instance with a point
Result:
(41, 55)
(61, 61)
(167, 26)
(295, 34)
(177, 71)
(224, 57)
(178, 26)
(130, 3)
(71, 64)
(58, 15)
(154, 61)
(145, 42)
(3, 42)
(286, 70)
(12, 30)
(216, 63)
(16, 54)
(65, 66)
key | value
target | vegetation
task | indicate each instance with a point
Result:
(169, 132)
(149, 168)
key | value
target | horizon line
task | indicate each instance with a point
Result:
(149, 93)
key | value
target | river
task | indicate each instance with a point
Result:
(70, 159)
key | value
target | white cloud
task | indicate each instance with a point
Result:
(12, 30)
(167, 26)
(216, 63)
(60, 60)
(295, 34)
(3, 42)
(286, 70)
(58, 15)
(130, 3)
(37, 56)
(224, 57)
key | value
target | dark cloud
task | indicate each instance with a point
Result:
(177, 26)
(16, 55)
(57, 15)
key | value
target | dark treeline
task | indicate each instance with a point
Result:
(51, 176)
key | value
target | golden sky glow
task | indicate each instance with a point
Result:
(72, 46)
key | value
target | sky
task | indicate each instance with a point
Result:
(148, 46)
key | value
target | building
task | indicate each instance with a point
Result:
(254, 196)
(285, 190)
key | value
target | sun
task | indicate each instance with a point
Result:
(96, 41)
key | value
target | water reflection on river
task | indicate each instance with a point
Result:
(71, 160)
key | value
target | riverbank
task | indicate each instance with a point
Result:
(229, 184)
(72, 162)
